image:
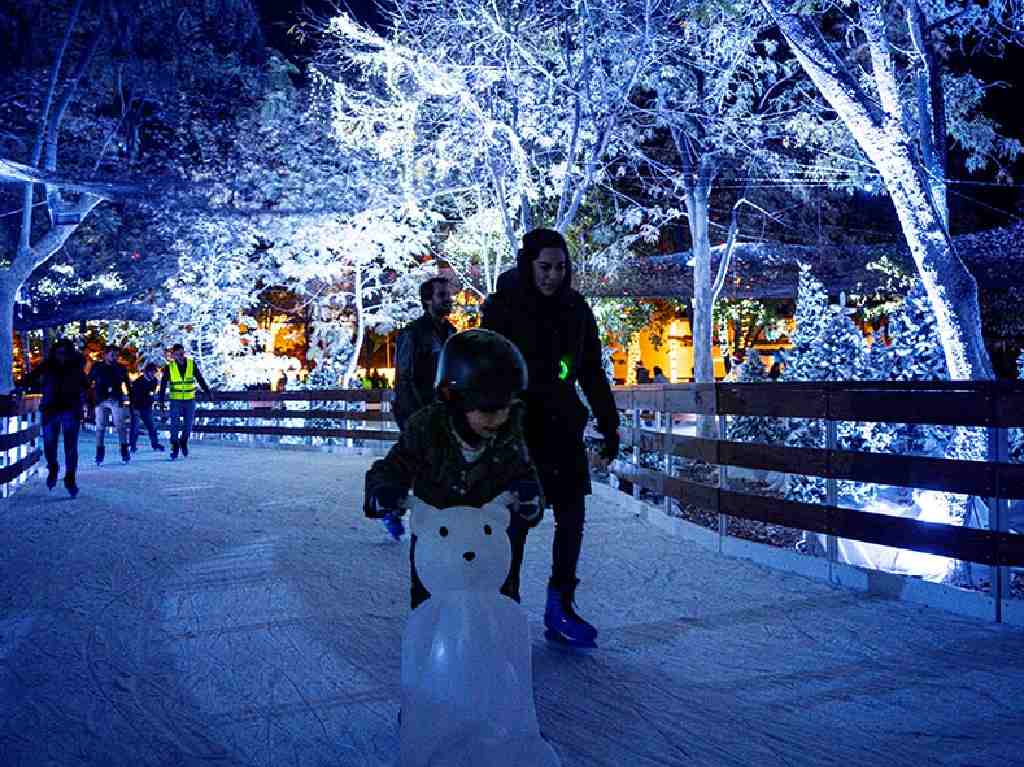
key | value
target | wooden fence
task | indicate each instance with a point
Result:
(996, 407)
(359, 407)
(993, 406)
(20, 441)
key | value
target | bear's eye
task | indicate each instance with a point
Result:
(487, 529)
(444, 532)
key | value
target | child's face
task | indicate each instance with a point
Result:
(486, 423)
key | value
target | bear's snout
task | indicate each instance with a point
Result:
(469, 556)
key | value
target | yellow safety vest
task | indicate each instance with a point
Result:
(182, 388)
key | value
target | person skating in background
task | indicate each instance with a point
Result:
(659, 376)
(62, 381)
(419, 345)
(182, 374)
(142, 391)
(112, 386)
(554, 328)
(465, 449)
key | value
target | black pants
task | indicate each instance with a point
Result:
(53, 423)
(565, 552)
(145, 416)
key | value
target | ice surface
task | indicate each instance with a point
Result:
(467, 685)
(235, 608)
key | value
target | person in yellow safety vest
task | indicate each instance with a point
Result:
(182, 374)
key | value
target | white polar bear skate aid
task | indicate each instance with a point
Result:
(467, 683)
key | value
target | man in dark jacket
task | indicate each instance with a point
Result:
(63, 383)
(555, 330)
(419, 346)
(110, 382)
(143, 388)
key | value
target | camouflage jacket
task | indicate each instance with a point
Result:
(428, 460)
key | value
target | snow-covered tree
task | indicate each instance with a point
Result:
(754, 428)
(827, 346)
(879, 66)
(515, 108)
(102, 113)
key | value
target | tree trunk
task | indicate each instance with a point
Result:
(697, 199)
(950, 287)
(697, 211)
(8, 289)
(350, 370)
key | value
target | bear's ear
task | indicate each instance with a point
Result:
(497, 512)
(420, 516)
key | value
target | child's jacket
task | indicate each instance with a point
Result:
(428, 459)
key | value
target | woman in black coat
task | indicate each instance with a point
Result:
(555, 330)
(63, 383)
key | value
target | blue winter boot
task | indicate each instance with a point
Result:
(562, 623)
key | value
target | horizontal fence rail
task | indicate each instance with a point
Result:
(266, 406)
(995, 406)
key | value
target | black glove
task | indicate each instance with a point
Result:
(388, 499)
(528, 508)
(610, 450)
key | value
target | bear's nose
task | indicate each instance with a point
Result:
(469, 556)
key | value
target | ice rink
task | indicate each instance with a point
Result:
(235, 608)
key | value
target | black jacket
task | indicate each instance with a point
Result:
(419, 346)
(142, 392)
(558, 339)
(63, 386)
(110, 380)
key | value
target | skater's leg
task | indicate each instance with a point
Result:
(565, 551)
(189, 417)
(418, 591)
(134, 428)
(560, 616)
(102, 416)
(121, 416)
(175, 413)
(146, 415)
(517, 532)
(72, 425)
(51, 433)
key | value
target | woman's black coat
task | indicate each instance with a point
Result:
(558, 339)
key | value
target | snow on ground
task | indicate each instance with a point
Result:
(235, 608)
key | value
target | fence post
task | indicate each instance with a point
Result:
(998, 519)
(666, 415)
(636, 449)
(831, 497)
(723, 476)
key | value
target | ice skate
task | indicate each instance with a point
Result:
(564, 626)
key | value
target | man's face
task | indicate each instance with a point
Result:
(150, 373)
(487, 423)
(440, 305)
(110, 355)
(179, 356)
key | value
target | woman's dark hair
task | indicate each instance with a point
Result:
(427, 290)
(149, 366)
(534, 242)
(64, 344)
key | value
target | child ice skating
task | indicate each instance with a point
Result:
(465, 449)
